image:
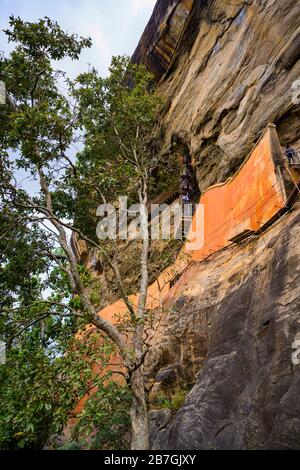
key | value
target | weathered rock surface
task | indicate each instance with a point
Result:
(162, 35)
(231, 74)
(230, 326)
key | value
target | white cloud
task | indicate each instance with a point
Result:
(138, 5)
(115, 26)
(87, 20)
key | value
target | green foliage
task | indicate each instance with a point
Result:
(119, 118)
(47, 370)
(45, 38)
(40, 388)
(162, 402)
(20, 261)
(104, 422)
(70, 446)
(39, 123)
(178, 399)
(27, 397)
(175, 403)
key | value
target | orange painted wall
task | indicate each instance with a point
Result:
(245, 202)
(156, 292)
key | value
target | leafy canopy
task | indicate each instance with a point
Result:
(47, 371)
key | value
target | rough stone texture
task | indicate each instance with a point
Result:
(162, 35)
(230, 75)
(231, 324)
(158, 425)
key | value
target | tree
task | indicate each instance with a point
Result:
(39, 126)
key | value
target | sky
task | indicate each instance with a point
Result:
(115, 26)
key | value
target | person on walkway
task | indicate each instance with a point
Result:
(290, 154)
(186, 199)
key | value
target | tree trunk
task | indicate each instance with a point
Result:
(138, 412)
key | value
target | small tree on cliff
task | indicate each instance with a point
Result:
(39, 126)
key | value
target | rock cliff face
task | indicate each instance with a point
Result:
(231, 73)
(229, 331)
(162, 35)
(231, 321)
